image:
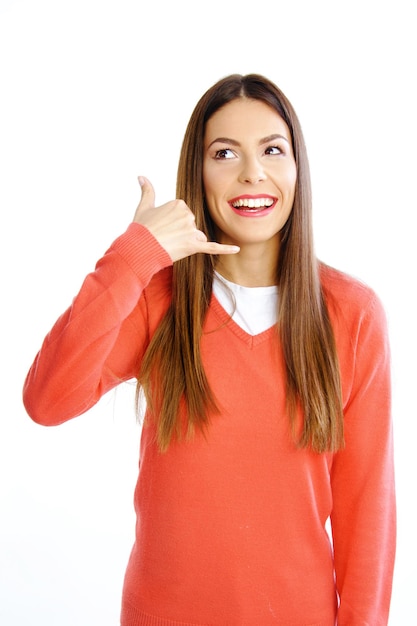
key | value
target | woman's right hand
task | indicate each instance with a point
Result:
(173, 226)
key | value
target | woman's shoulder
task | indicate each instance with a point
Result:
(347, 292)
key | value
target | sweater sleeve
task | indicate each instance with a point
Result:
(364, 515)
(99, 340)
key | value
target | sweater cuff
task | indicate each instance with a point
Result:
(141, 251)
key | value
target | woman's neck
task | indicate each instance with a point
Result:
(254, 266)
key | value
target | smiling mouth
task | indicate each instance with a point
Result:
(252, 203)
(260, 205)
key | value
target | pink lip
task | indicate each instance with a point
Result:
(246, 212)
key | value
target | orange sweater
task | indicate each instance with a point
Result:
(231, 527)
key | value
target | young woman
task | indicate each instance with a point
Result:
(267, 382)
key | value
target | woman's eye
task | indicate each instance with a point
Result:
(225, 153)
(273, 150)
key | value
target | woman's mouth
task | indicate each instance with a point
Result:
(253, 206)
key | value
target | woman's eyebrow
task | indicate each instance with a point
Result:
(272, 137)
(233, 142)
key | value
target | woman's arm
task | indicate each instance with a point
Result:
(364, 515)
(98, 342)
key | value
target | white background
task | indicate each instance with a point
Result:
(94, 93)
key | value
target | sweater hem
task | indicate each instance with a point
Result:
(131, 616)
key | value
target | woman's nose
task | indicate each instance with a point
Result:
(252, 172)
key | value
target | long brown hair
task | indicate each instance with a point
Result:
(172, 373)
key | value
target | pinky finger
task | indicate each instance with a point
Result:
(211, 247)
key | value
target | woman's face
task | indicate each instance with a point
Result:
(249, 172)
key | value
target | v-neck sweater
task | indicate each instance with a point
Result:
(231, 526)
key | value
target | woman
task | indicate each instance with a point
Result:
(266, 376)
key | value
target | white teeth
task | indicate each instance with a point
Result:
(253, 203)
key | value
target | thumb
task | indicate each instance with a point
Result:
(148, 193)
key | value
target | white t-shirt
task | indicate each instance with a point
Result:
(253, 308)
